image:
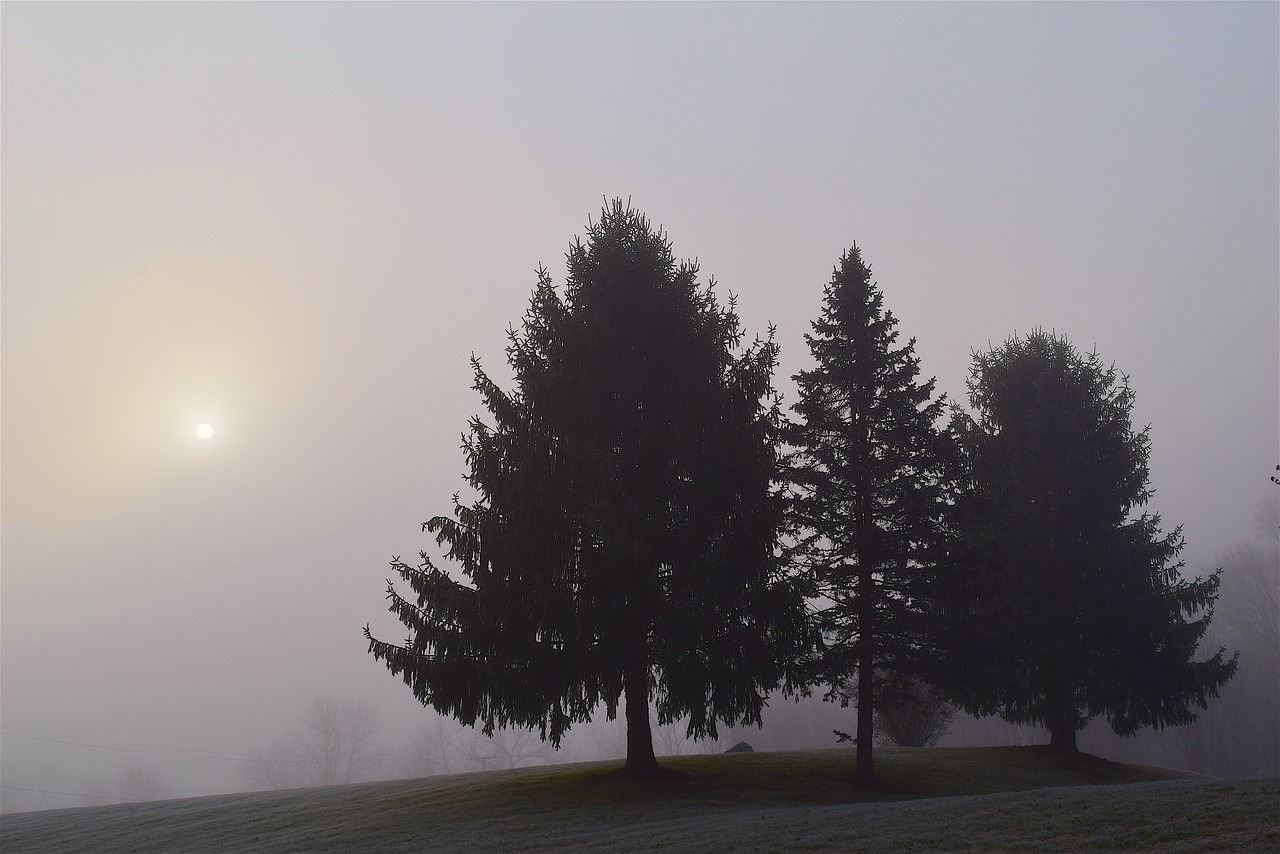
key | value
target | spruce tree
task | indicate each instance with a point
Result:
(869, 470)
(624, 538)
(1065, 605)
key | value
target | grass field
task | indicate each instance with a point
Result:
(971, 799)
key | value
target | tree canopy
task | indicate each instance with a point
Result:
(624, 535)
(1064, 605)
(869, 469)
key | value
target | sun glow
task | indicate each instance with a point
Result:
(204, 431)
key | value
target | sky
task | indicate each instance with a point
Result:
(297, 222)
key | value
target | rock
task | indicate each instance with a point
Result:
(740, 747)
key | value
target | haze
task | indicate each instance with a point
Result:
(296, 222)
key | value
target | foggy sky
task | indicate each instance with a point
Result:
(297, 222)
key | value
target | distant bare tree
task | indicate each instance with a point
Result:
(432, 749)
(598, 738)
(911, 713)
(673, 740)
(991, 731)
(1250, 601)
(338, 743)
(138, 782)
(506, 748)
(1240, 735)
(272, 768)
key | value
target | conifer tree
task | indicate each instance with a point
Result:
(869, 470)
(624, 538)
(1065, 605)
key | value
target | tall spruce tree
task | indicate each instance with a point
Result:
(869, 470)
(624, 538)
(1064, 605)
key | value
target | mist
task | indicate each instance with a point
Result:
(296, 223)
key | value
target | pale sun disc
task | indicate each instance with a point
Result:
(204, 431)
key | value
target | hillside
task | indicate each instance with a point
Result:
(930, 800)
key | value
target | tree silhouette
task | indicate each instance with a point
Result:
(868, 471)
(624, 538)
(910, 712)
(1068, 606)
(337, 743)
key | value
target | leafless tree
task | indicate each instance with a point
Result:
(992, 731)
(1239, 735)
(597, 739)
(506, 748)
(432, 749)
(673, 739)
(138, 782)
(337, 743)
(911, 713)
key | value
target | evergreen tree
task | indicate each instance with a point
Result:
(1065, 606)
(624, 538)
(869, 470)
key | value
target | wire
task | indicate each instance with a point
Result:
(46, 774)
(75, 794)
(125, 746)
(90, 780)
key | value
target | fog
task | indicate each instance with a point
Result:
(296, 222)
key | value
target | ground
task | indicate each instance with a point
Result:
(929, 800)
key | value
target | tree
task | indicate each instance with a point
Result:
(623, 540)
(1240, 735)
(137, 781)
(869, 470)
(337, 743)
(910, 712)
(1069, 607)
(430, 750)
(504, 748)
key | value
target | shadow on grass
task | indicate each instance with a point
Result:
(824, 777)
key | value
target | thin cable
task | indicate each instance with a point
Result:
(160, 752)
(75, 795)
(90, 780)
(121, 746)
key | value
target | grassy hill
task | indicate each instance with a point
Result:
(985, 799)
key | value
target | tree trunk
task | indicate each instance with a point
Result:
(1062, 737)
(635, 677)
(866, 674)
(1062, 740)
(865, 774)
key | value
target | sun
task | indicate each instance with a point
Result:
(204, 431)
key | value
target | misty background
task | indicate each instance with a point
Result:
(296, 223)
